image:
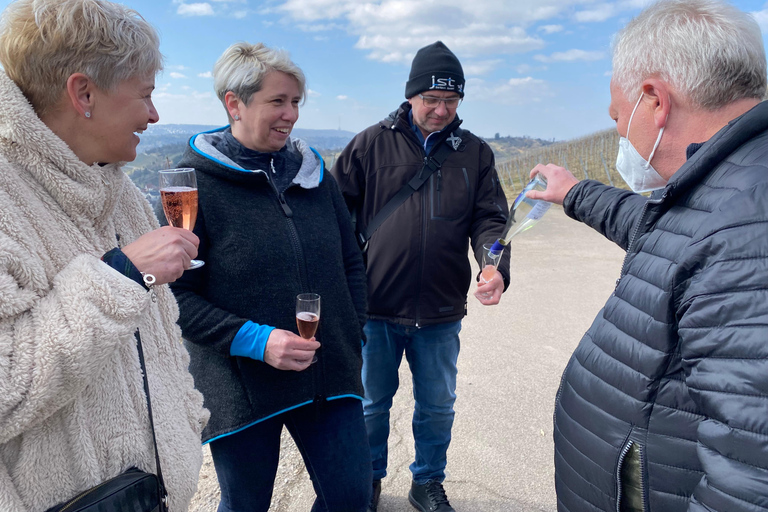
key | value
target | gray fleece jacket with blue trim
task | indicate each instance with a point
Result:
(261, 248)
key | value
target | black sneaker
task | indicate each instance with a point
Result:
(374, 504)
(429, 497)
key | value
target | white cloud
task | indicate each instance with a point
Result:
(239, 14)
(514, 91)
(392, 30)
(176, 67)
(550, 29)
(207, 74)
(312, 94)
(570, 56)
(598, 13)
(341, 97)
(174, 74)
(201, 9)
(189, 107)
(319, 27)
(762, 19)
(482, 67)
(523, 69)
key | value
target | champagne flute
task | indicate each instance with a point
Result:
(308, 315)
(491, 260)
(178, 193)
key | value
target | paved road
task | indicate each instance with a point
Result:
(510, 364)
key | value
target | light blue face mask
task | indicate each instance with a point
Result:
(636, 170)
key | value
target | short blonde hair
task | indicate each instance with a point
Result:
(243, 66)
(43, 42)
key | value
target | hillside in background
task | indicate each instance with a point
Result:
(505, 148)
(589, 157)
(159, 135)
(162, 146)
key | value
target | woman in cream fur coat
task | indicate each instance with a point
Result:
(77, 240)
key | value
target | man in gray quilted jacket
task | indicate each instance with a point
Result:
(664, 404)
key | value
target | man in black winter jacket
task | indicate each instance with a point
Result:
(417, 265)
(664, 404)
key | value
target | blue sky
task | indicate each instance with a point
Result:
(534, 67)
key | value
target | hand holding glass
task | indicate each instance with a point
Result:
(178, 193)
(490, 264)
(308, 315)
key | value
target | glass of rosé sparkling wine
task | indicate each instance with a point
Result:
(490, 264)
(308, 315)
(178, 193)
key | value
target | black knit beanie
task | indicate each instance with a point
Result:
(436, 68)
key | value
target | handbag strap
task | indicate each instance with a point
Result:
(164, 494)
(432, 164)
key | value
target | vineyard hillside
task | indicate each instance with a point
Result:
(590, 157)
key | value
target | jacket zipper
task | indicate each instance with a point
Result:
(635, 232)
(423, 254)
(439, 193)
(622, 456)
(424, 219)
(643, 501)
(293, 235)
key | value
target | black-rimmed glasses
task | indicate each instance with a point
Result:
(432, 101)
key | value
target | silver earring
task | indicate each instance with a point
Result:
(88, 114)
(237, 117)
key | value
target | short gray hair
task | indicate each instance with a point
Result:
(710, 51)
(243, 66)
(43, 42)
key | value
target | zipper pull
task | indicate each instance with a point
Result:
(272, 165)
(286, 209)
(439, 177)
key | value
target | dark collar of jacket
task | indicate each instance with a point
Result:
(714, 151)
(399, 120)
(206, 145)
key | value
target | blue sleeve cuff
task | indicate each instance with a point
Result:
(117, 259)
(251, 341)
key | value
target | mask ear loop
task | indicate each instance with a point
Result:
(658, 139)
(633, 113)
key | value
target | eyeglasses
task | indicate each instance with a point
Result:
(431, 101)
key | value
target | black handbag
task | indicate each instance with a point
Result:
(131, 491)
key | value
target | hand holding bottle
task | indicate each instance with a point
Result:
(559, 182)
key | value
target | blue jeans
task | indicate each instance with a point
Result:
(331, 438)
(431, 352)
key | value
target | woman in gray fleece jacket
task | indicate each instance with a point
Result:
(77, 241)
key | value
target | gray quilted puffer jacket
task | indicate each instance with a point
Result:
(675, 366)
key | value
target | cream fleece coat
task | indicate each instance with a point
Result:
(72, 405)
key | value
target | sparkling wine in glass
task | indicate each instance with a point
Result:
(490, 264)
(178, 193)
(308, 315)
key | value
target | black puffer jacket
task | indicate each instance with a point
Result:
(676, 363)
(418, 271)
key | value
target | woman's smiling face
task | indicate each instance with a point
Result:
(266, 122)
(118, 116)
